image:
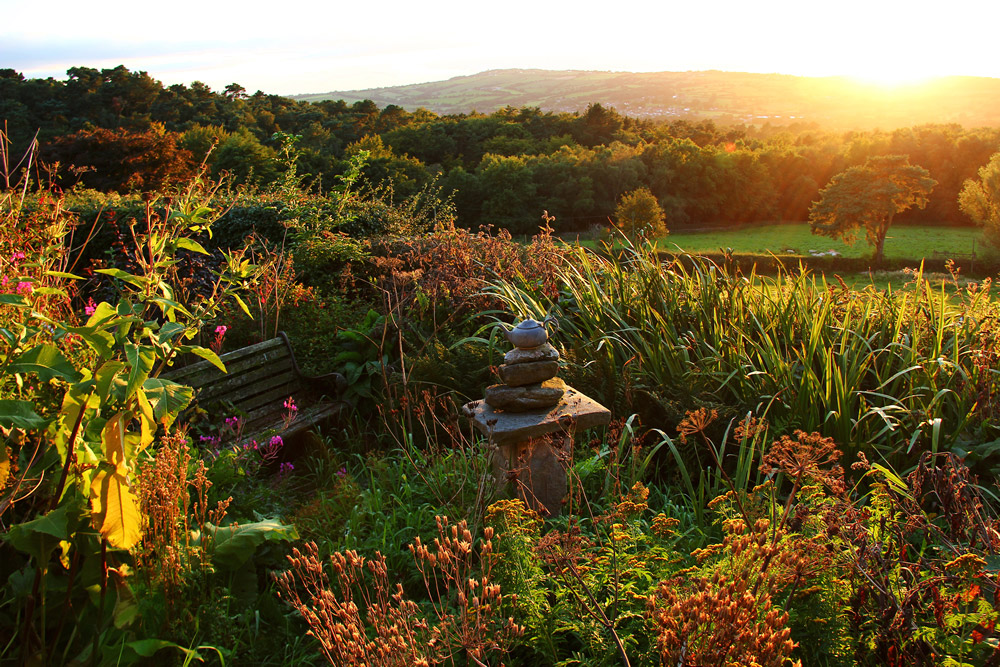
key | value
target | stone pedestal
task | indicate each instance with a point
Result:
(525, 455)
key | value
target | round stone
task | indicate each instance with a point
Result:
(529, 397)
(532, 372)
(544, 352)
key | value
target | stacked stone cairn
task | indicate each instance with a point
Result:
(529, 380)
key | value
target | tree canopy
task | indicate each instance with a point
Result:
(868, 197)
(638, 213)
(980, 199)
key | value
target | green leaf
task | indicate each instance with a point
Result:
(234, 545)
(106, 374)
(242, 305)
(208, 355)
(13, 300)
(19, 414)
(63, 274)
(169, 306)
(993, 564)
(140, 359)
(167, 398)
(189, 244)
(45, 361)
(40, 537)
(124, 276)
(102, 314)
(147, 648)
(169, 331)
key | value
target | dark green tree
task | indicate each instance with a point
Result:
(868, 197)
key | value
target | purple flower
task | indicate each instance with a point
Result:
(342, 472)
(276, 441)
(90, 307)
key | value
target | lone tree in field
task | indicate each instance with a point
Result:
(868, 197)
(980, 200)
(639, 212)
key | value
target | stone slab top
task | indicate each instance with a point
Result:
(508, 427)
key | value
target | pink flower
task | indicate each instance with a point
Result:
(221, 330)
(276, 441)
(24, 288)
(90, 307)
(290, 404)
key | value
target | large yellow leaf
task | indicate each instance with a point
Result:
(115, 509)
(114, 438)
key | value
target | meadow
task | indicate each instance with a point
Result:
(796, 471)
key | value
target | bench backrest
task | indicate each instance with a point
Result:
(259, 380)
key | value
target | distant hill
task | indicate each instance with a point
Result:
(722, 96)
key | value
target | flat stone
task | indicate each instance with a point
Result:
(528, 397)
(531, 372)
(544, 352)
(574, 411)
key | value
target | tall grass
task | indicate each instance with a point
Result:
(898, 370)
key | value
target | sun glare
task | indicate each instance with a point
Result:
(892, 78)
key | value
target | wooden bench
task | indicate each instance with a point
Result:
(260, 379)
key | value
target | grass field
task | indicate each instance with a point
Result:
(903, 241)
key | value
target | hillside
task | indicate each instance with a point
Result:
(721, 96)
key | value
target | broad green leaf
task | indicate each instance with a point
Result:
(170, 308)
(209, 355)
(49, 291)
(234, 545)
(167, 398)
(19, 414)
(115, 509)
(140, 359)
(47, 362)
(41, 536)
(169, 331)
(106, 375)
(124, 276)
(189, 244)
(13, 300)
(102, 314)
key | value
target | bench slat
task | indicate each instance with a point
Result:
(260, 377)
(265, 350)
(247, 382)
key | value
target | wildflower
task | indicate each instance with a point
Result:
(221, 330)
(695, 422)
(276, 441)
(90, 307)
(342, 472)
(24, 288)
(290, 404)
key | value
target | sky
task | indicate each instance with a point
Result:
(289, 47)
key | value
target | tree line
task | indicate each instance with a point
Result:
(118, 130)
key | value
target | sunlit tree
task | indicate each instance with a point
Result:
(639, 213)
(980, 199)
(868, 197)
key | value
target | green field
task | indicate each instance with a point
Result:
(903, 242)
